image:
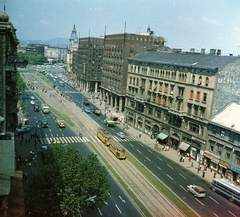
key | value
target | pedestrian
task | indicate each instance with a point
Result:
(35, 162)
(203, 174)
(183, 158)
(180, 160)
(214, 175)
(140, 134)
(189, 158)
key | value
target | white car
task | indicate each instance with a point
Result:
(32, 102)
(32, 97)
(197, 191)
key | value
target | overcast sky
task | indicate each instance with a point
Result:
(183, 23)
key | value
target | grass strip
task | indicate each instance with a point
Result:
(123, 184)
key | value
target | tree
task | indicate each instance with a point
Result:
(66, 182)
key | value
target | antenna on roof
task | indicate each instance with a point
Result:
(4, 6)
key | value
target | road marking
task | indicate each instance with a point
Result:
(131, 144)
(213, 200)
(149, 151)
(159, 158)
(169, 176)
(118, 208)
(60, 138)
(199, 201)
(99, 211)
(215, 214)
(93, 139)
(232, 213)
(169, 166)
(148, 159)
(122, 199)
(183, 188)
(159, 168)
(182, 175)
(139, 151)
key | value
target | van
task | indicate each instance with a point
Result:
(197, 191)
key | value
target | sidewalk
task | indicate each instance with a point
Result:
(172, 154)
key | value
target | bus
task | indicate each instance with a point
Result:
(227, 189)
(117, 150)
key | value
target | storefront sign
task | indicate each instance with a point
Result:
(223, 164)
(215, 160)
(233, 168)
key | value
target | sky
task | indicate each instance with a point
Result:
(185, 24)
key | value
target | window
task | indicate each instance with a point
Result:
(166, 88)
(193, 79)
(158, 114)
(150, 111)
(207, 81)
(164, 100)
(191, 94)
(198, 96)
(160, 86)
(189, 108)
(195, 110)
(200, 80)
(231, 137)
(211, 148)
(222, 134)
(214, 130)
(204, 97)
(194, 127)
(228, 155)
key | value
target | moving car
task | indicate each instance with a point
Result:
(60, 123)
(44, 123)
(96, 112)
(32, 102)
(86, 102)
(122, 135)
(36, 108)
(87, 110)
(32, 97)
(197, 191)
(109, 122)
(23, 130)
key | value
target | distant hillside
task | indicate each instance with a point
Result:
(56, 42)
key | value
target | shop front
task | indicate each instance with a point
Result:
(212, 160)
(183, 147)
(223, 167)
(233, 173)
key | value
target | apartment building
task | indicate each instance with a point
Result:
(172, 95)
(55, 54)
(87, 63)
(118, 48)
(35, 48)
(222, 152)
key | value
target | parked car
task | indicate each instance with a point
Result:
(122, 135)
(197, 191)
(87, 110)
(44, 123)
(32, 102)
(32, 97)
(36, 108)
(23, 130)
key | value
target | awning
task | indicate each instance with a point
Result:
(161, 136)
(183, 146)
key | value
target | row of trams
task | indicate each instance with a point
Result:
(113, 145)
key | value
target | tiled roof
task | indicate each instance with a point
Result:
(194, 60)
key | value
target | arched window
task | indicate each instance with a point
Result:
(193, 79)
(200, 80)
(207, 81)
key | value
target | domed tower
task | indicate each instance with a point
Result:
(72, 46)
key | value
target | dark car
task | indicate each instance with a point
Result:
(44, 123)
(36, 108)
(23, 130)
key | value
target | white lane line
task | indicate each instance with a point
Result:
(122, 199)
(213, 200)
(131, 144)
(199, 201)
(139, 151)
(159, 158)
(159, 168)
(183, 188)
(182, 176)
(118, 208)
(149, 151)
(169, 176)
(169, 166)
(99, 211)
(232, 213)
(147, 158)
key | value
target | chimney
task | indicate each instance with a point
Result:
(192, 50)
(203, 51)
(219, 52)
(213, 51)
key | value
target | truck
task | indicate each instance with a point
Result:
(116, 118)
(60, 123)
(109, 122)
(104, 136)
(45, 109)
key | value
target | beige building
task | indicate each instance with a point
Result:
(171, 95)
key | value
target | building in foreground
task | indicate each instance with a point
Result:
(222, 152)
(172, 95)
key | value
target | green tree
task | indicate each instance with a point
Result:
(34, 58)
(66, 182)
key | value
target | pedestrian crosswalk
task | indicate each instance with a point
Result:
(78, 139)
